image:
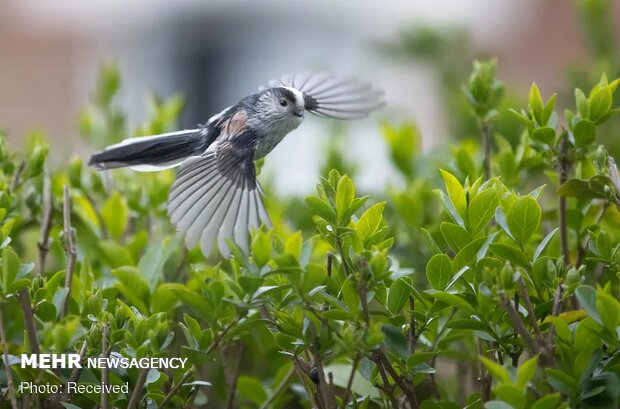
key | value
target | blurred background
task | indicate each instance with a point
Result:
(213, 53)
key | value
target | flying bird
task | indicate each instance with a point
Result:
(216, 196)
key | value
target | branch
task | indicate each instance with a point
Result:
(7, 367)
(279, 388)
(214, 344)
(483, 379)
(69, 247)
(345, 399)
(411, 334)
(18, 173)
(137, 390)
(46, 223)
(533, 320)
(387, 387)
(31, 331)
(563, 177)
(407, 388)
(328, 401)
(302, 373)
(518, 323)
(233, 378)
(486, 143)
(105, 371)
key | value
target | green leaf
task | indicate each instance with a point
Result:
(114, 214)
(512, 253)
(456, 236)
(400, 290)
(536, 104)
(600, 103)
(523, 218)
(345, 193)
(609, 310)
(586, 296)
(497, 404)
(526, 371)
(481, 210)
(544, 243)
(351, 296)
(499, 372)
(152, 262)
(10, 267)
(439, 271)
(252, 389)
(545, 135)
(322, 208)
(261, 248)
(583, 105)
(593, 188)
(467, 254)
(370, 220)
(456, 193)
(547, 402)
(584, 132)
(453, 300)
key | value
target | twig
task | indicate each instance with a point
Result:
(486, 143)
(214, 344)
(279, 388)
(347, 393)
(330, 261)
(328, 401)
(233, 378)
(7, 367)
(31, 331)
(407, 388)
(530, 311)
(411, 335)
(46, 223)
(386, 387)
(563, 177)
(137, 390)
(483, 379)
(18, 173)
(105, 371)
(302, 373)
(69, 247)
(343, 259)
(518, 323)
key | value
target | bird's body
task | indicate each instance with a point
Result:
(216, 196)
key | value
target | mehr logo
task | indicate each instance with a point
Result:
(115, 360)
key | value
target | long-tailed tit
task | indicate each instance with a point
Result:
(216, 195)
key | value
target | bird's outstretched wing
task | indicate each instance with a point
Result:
(331, 96)
(216, 197)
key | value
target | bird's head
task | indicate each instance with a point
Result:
(281, 105)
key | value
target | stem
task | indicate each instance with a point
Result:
(407, 388)
(137, 390)
(518, 323)
(214, 344)
(486, 144)
(69, 247)
(343, 259)
(279, 388)
(483, 379)
(18, 173)
(581, 252)
(105, 371)
(330, 260)
(7, 368)
(31, 331)
(563, 177)
(46, 224)
(411, 338)
(345, 399)
(532, 317)
(302, 373)
(327, 401)
(387, 387)
(234, 377)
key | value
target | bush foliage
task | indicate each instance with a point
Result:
(487, 279)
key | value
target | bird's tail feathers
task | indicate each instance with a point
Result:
(151, 153)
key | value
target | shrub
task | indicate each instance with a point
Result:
(498, 289)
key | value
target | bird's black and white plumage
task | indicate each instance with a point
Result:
(216, 196)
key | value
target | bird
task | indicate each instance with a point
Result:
(216, 196)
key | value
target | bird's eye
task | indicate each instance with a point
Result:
(283, 102)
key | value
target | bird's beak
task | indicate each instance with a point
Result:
(299, 113)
